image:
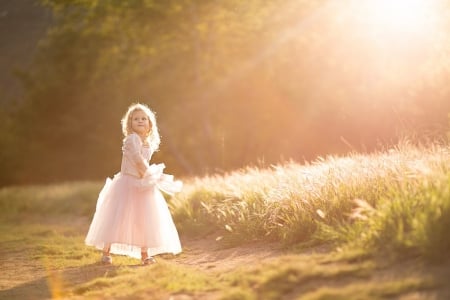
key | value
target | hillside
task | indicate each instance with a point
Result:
(22, 24)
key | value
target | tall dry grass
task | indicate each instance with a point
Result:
(398, 198)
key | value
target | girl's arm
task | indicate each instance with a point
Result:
(132, 149)
(151, 175)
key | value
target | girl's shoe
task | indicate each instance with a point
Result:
(149, 261)
(107, 259)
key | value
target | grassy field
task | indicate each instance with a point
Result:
(361, 226)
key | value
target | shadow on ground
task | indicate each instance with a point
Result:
(55, 283)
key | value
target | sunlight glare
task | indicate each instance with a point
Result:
(399, 16)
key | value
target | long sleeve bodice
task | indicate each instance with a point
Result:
(135, 162)
(135, 156)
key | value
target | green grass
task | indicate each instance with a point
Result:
(73, 199)
(379, 223)
(158, 279)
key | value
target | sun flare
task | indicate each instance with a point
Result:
(399, 16)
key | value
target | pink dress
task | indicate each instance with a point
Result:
(131, 211)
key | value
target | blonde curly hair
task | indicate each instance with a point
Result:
(153, 139)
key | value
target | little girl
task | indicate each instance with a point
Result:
(132, 217)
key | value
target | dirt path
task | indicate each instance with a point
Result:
(19, 271)
(207, 254)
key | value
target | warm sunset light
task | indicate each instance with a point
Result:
(261, 149)
(399, 16)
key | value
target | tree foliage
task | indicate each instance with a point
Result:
(233, 83)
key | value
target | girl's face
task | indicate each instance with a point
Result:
(140, 122)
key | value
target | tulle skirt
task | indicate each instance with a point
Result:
(130, 217)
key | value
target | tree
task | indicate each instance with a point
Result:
(233, 82)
